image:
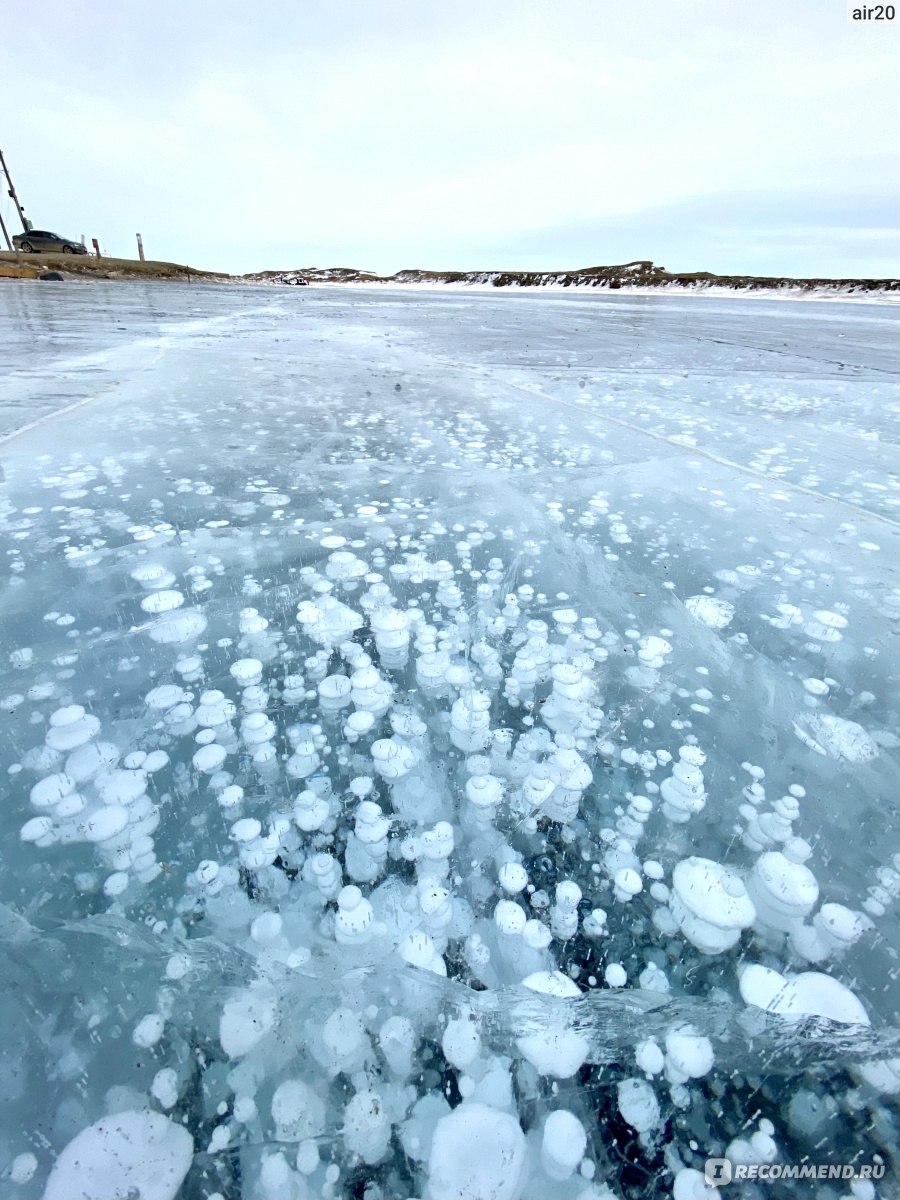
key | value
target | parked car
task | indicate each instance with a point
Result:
(36, 240)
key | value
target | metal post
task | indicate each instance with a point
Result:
(96, 246)
(140, 247)
(12, 193)
(6, 235)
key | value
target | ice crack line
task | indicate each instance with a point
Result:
(822, 497)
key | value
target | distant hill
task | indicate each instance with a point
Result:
(32, 266)
(639, 274)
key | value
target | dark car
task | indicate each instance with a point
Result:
(36, 240)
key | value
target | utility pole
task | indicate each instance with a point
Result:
(12, 193)
(9, 244)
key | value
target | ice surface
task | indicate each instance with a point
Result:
(370, 658)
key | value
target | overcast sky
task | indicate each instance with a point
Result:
(728, 135)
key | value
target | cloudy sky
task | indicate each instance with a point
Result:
(723, 135)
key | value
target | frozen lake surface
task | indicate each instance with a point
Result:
(449, 743)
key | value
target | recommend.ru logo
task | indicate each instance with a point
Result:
(720, 1171)
(717, 1171)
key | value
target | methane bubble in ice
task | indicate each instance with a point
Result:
(132, 1153)
(477, 1153)
(710, 610)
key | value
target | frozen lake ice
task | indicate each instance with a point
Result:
(449, 742)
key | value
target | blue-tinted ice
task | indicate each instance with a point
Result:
(449, 742)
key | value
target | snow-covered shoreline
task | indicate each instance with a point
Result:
(638, 278)
(555, 289)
